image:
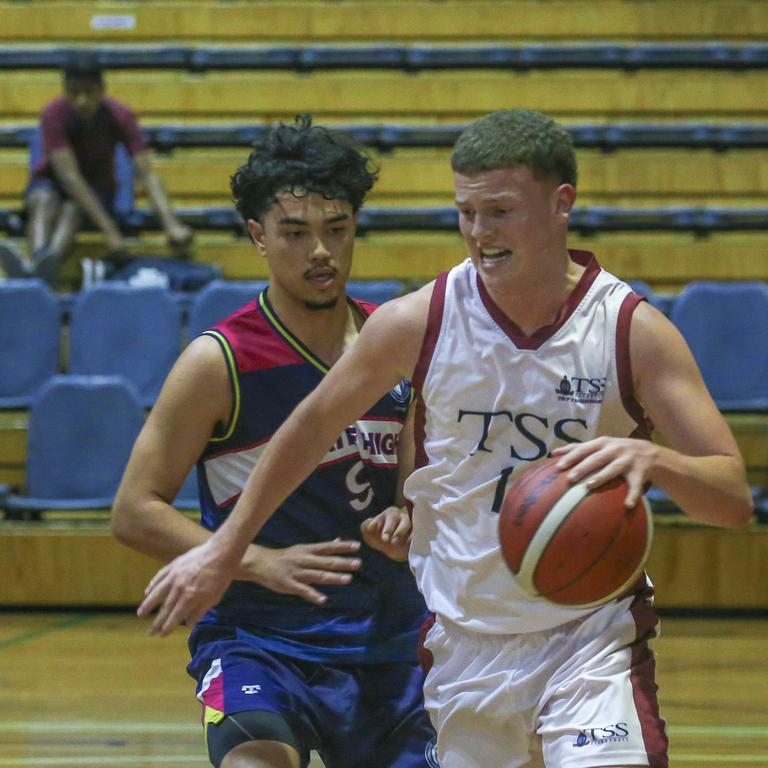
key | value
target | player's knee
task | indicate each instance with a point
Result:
(42, 202)
(253, 740)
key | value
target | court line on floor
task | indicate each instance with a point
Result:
(97, 726)
(33, 634)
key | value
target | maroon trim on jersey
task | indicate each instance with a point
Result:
(366, 307)
(254, 341)
(431, 334)
(522, 341)
(423, 654)
(642, 676)
(624, 368)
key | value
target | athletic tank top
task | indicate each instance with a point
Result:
(491, 401)
(376, 617)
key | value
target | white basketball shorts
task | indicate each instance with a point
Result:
(582, 695)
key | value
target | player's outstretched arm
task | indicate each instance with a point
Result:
(700, 467)
(385, 352)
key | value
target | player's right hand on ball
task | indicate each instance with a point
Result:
(293, 570)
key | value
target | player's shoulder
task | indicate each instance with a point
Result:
(57, 107)
(119, 110)
(393, 334)
(203, 354)
(411, 307)
(400, 320)
(199, 376)
(654, 339)
(647, 319)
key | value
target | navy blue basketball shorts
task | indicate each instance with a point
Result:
(354, 716)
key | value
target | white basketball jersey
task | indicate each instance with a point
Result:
(491, 401)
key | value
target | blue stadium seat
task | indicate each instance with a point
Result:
(661, 503)
(726, 326)
(375, 291)
(30, 340)
(218, 299)
(118, 329)
(81, 431)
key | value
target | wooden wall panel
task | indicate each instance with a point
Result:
(47, 565)
(445, 95)
(339, 20)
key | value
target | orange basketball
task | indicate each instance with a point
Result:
(570, 545)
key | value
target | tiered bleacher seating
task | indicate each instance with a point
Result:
(665, 101)
(118, 337)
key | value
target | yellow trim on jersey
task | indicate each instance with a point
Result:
(288, 336)
(232, 365)
(211, 715)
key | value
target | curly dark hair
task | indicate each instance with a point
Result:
(517, 137)
(305, 158)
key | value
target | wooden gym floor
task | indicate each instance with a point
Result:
(93, 689)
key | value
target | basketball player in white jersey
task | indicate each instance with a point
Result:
(524, 350)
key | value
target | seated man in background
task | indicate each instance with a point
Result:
(76, 174)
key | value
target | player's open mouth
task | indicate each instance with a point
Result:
(321, 277)
(490, 258)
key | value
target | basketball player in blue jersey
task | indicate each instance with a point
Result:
(516, 681)
(314, 645)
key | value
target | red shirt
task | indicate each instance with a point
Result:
(93, 142)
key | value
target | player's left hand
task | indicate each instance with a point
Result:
(185, 589)
(606, 458)
(389, 532)
(180, 238)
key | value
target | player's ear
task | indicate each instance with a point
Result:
(565, 196)
(256, 231)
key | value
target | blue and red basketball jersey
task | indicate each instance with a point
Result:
(271, 372)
